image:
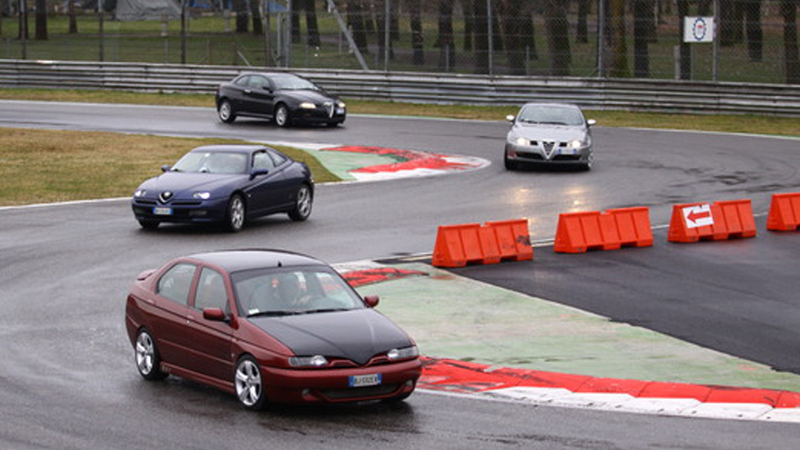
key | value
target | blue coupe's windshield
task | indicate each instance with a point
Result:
(292, 83)
(289, 291)
(551, 115)
(212, 162)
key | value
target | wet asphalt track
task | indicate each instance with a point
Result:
(66, 374)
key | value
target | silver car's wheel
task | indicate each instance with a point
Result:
(225, 112)
(589, 161)
(249, 387)
(147, 357)
(303, 203)
(236, 213)
(281, 116)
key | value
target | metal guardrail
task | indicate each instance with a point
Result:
(592, 93)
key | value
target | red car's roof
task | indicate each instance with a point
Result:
(237, 260)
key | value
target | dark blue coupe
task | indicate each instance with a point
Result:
(226, 184)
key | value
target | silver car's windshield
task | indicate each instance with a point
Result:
(212, 162)
(276, 292)
(292, 83)
(551, 115)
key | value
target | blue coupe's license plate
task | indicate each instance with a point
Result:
(160, 211)
(372, 379)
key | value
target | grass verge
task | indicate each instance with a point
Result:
(43, 166)
(750, 124)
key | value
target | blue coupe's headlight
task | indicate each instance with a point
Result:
(307, 105)
(139, 193)
(308, 361)
(202, 195)
(403, 353)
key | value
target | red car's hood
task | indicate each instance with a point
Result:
(357, 335)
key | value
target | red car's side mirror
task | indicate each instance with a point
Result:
(215, 314)
(372, 300)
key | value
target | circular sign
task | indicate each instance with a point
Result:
(699, 29)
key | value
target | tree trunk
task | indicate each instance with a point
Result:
(414, 8)
(584, 8)
(619, 44)
(790, 51)
(469, 23)
(447, 49)
(380, 31)
(73, 20)
(480, 30)
(295, 17)
(685, 49)
(514, 20)
(240, 6)
(557, 29)
(312, 27)
(755, 34)
(258, 28)
(355, 19)
(641, 38)
(41, 20)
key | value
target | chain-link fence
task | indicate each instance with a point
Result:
(756, 40)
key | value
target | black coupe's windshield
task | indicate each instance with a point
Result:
(551, 115)
(290, 291)
(212, 162)
(292, 83)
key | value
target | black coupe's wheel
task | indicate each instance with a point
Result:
(303, 203)
(149, 224)
(226, 112)
(281, 116)
(249, 384)
(148, 360)
(236, 213)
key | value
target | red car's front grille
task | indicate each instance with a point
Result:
(362, 392)
(344, 363)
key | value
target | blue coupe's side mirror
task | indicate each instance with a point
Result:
(165, 168)
(258, 172)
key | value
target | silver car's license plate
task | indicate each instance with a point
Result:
(161, 211)
(372, 379)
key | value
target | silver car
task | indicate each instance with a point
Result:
(549, 133)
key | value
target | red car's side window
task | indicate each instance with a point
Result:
(176, 283)
(211, 291)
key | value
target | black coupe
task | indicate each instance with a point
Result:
(283, 97)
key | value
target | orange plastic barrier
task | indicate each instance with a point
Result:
(513, 239)
(593, 230)
(459, 245)
(784, 212)
(692, 222)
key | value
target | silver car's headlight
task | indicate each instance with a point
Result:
(307, 105)
(202, 195)
(308, 361)
(522, 141)
(577, 143)
(396, 354)
(140, 193)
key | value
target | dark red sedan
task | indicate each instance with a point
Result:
(267, 326)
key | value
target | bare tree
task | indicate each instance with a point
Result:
(445, 42)
(755, 34)
(480, 30)
(642, 32)
(312, 28)
(557, 30)
(41, 20)
(240, 6)
(355, 19)
(582, 32)
(258, 29)
(685, 49)
(514, 21)
(73, 21)
(469, 23)
(790, 50)
(414, 9)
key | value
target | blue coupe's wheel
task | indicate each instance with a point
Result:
(303, 204)
(236, 213)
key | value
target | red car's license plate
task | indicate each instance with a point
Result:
(372, 379)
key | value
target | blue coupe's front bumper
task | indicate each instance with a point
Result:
(180, 211)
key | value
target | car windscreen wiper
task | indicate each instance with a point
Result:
(275, 313)
(325, 310)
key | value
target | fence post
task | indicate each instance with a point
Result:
(491, 33)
